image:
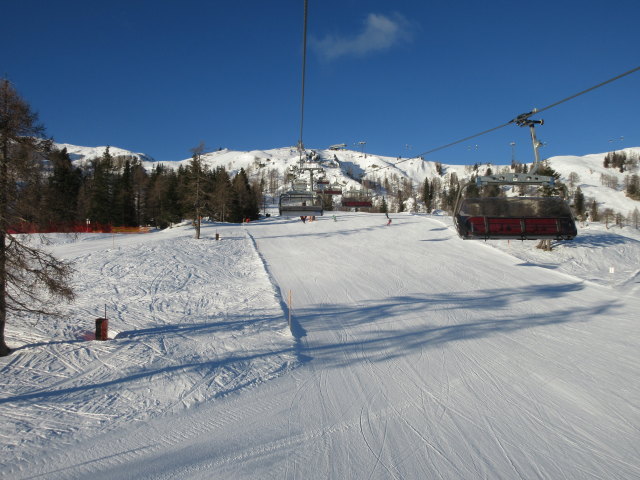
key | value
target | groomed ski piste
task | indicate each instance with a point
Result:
(411, 354)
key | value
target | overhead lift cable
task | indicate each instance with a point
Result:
(520, 120)
(540, 110)
(301, 200)
(304, 68)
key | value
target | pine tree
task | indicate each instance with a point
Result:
(436, 191)
(594, 213)
(578, 203)
(384, 207)
(245, 204)
(124, 198)
(223, 195)
(161, 198)
(632, 188)
(100, 189)
(30, 201)
(452, 194)
(608, 215)
(401, 199)
(472, 190)
(196, 195)
(63, 188)
(31, 280)
(558, 188)
(635, 218)
(427, 194)
(140, 185)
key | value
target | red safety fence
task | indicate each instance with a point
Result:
(77, 227)
(130, 229)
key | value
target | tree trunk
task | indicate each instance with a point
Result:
(19, 129)
(544, 245)
(196, 224)
(4, 349)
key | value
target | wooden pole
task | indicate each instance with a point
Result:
(290, 304)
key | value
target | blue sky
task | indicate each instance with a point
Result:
(405, 76)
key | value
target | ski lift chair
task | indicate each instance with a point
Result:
(356, 198)
(333, 189)
(522, 218)
(322, 185)
(300, 204)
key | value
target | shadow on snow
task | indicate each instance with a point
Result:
(380, 330)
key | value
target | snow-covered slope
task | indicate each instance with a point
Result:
(186, 327)
(411, 354)
(590, 170)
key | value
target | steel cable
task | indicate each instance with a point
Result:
(520, 117)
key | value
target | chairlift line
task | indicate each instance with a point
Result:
(629, 72)
(301, 200)
(545, 217)
(515, 120)
(304, 68)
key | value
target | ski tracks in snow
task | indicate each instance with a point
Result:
(166, 300)
(422, 365)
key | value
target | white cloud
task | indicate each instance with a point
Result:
(380, 33)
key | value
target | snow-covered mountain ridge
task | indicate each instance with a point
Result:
(347, 167)
(80, 156)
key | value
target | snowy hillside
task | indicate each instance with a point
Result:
(411, 354)
(590, 170)
(80, 156)
(347, 168)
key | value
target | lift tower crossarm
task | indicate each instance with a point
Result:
(515, 179)
(523, 120)
(531, 178)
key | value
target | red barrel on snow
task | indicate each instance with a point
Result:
(102, 328)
